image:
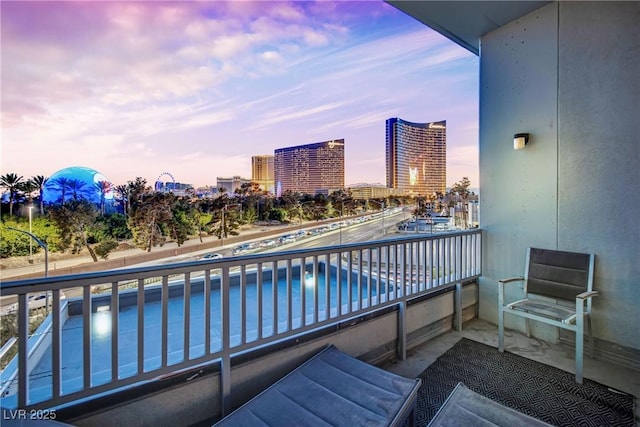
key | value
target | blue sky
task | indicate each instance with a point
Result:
(196, 88)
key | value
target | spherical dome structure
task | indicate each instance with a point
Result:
(77, 182)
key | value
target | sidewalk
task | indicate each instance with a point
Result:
(83, 262)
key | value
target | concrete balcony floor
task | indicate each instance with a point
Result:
(606, 373)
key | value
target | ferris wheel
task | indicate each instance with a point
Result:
(159, 185)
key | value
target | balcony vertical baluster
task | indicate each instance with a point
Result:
(359, 302)
(259, 298)
(23, 360)
(225, 357)
(349, 282)
(86, 337)
(56, 347)
(338, 282)
(274, 296)
(369, 277)
(140, 307)
(327, 285)
(289, 296)
(206, 295)
(303, 291)
(186, 353)
(378, 273)
(164, 334)
(242, 294)
(115, 328)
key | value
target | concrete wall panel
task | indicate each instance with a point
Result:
(518, 93)
(599, 154)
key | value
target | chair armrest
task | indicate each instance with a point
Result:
(511, 279)
(587, 294)
(501, 288)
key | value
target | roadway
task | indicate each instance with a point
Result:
(355, 232)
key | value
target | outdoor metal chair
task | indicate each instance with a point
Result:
(557, 285)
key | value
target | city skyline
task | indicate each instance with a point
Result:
(198, 88)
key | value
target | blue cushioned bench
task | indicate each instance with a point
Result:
(331, 389)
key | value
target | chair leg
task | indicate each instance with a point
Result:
(579, 348)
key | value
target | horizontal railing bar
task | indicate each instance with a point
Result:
(34, 285)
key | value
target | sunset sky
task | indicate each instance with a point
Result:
(196, 88)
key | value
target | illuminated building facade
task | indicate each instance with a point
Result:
(312, 168)
(416, 156)
(262, 172)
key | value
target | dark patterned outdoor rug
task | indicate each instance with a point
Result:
(538, 390)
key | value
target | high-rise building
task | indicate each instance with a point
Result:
(262, 172)
(312, 168)
(416, 156)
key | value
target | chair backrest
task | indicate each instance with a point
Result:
(558, 274)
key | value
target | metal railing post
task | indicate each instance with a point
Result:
(402, 330)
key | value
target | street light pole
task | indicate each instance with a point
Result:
(381, 204)
(40, 243)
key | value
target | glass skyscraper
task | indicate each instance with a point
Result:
(312, 168)
(416, 156)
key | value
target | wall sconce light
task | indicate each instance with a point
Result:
(520, 140)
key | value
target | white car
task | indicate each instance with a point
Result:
(35, 301)
(211, 256)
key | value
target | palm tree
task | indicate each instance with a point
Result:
(103, 188)
(60, 184)
(40, 181)
(462, 190)
(28, 187)
(12, 183)
(123, 191)
(77, 188)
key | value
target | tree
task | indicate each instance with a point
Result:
(12, 183)
(40, 181)
(183, 222)
(152, 213)
(123, 192)
(103, 187)
(224, 221)
(75, 219)
(462, 190)
(250, 194)
(343, 199)
(78, 189)
(27, 188)
(136, 191)
(60, 184)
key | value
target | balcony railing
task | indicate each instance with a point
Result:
(150, 322)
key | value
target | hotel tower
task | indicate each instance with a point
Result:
(416, 156)
(262, 172)
(312, 168)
